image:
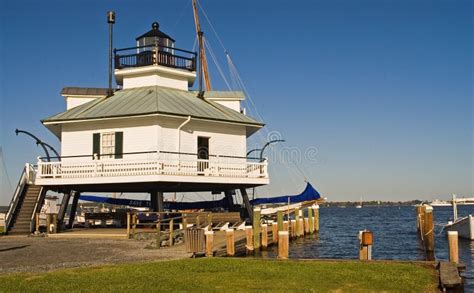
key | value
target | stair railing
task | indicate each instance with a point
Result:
(16, 196)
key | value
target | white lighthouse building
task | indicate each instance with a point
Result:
(153, 134)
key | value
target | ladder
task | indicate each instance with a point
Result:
(26, 202)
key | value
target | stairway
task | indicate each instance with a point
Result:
(22, 222)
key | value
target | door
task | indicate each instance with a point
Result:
(202, 154)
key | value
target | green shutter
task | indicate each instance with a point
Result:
(96, 145)
(118, 145)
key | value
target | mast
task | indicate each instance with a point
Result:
(204, 72)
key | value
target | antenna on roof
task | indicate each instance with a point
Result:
(110, 21)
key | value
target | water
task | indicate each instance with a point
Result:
(395, 236)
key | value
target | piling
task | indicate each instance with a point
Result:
(306, 226)
(230, 242)
(134, 224)
(185, 222)
(453, 246)
(37, 222)
(171, 232)
(316, 218)
(428, 232)
(128, 225)
(286, 226)
(300, 227)
(365, 245)
(283, 244)
(275, 232)
(297, 223)
(256, 228)
(48, 223)
(292, 228)
(311, 220)
(209, 243)
(280, 220)
(249, 237)
(55, 223)
(264, 228)
(158, 234)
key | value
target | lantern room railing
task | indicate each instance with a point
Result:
(155, 55)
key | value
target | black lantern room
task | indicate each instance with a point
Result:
(155, 37)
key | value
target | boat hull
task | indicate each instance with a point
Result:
(464, 227)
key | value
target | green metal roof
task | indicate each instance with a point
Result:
(155, 100)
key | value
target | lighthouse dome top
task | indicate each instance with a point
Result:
(154, 34)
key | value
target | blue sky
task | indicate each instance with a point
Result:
(381, 89)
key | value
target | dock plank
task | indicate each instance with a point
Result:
(449, 275)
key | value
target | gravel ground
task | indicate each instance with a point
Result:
(39, 254)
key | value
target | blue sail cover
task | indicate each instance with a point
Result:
(308, 194)
(147, 203)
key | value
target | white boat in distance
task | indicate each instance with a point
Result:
(465, 225)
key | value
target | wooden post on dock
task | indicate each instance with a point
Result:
(418, 218)
(316, 218)
(286, 226)
(292, 228)
(249, 238)
(297, 223)
(428, 232)
(230, 242)
(301, 227)
(421, 222)
(453, 246)
(37, 222)
(171, 241)
(128, 225)
(306, 226)
(311, 220)
(48, 223)
(280, 220)
(283, 244)
(158, 234)
(264, 236)
(209, 243)
(256, 228)
(55, 223)
(365, 245)
(134, 224)
(275, 232)
(185, 223)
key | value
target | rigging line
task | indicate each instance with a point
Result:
(214, 59)
(195, 44)
(5, 169)
(211, 26)
(185, 8)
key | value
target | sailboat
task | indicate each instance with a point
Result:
(359, 206)
(464, 225)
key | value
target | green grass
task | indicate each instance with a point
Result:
(231, 274)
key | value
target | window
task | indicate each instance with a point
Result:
(108, 144)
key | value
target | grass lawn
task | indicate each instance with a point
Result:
(231, 274)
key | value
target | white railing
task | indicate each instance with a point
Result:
(175, 164)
